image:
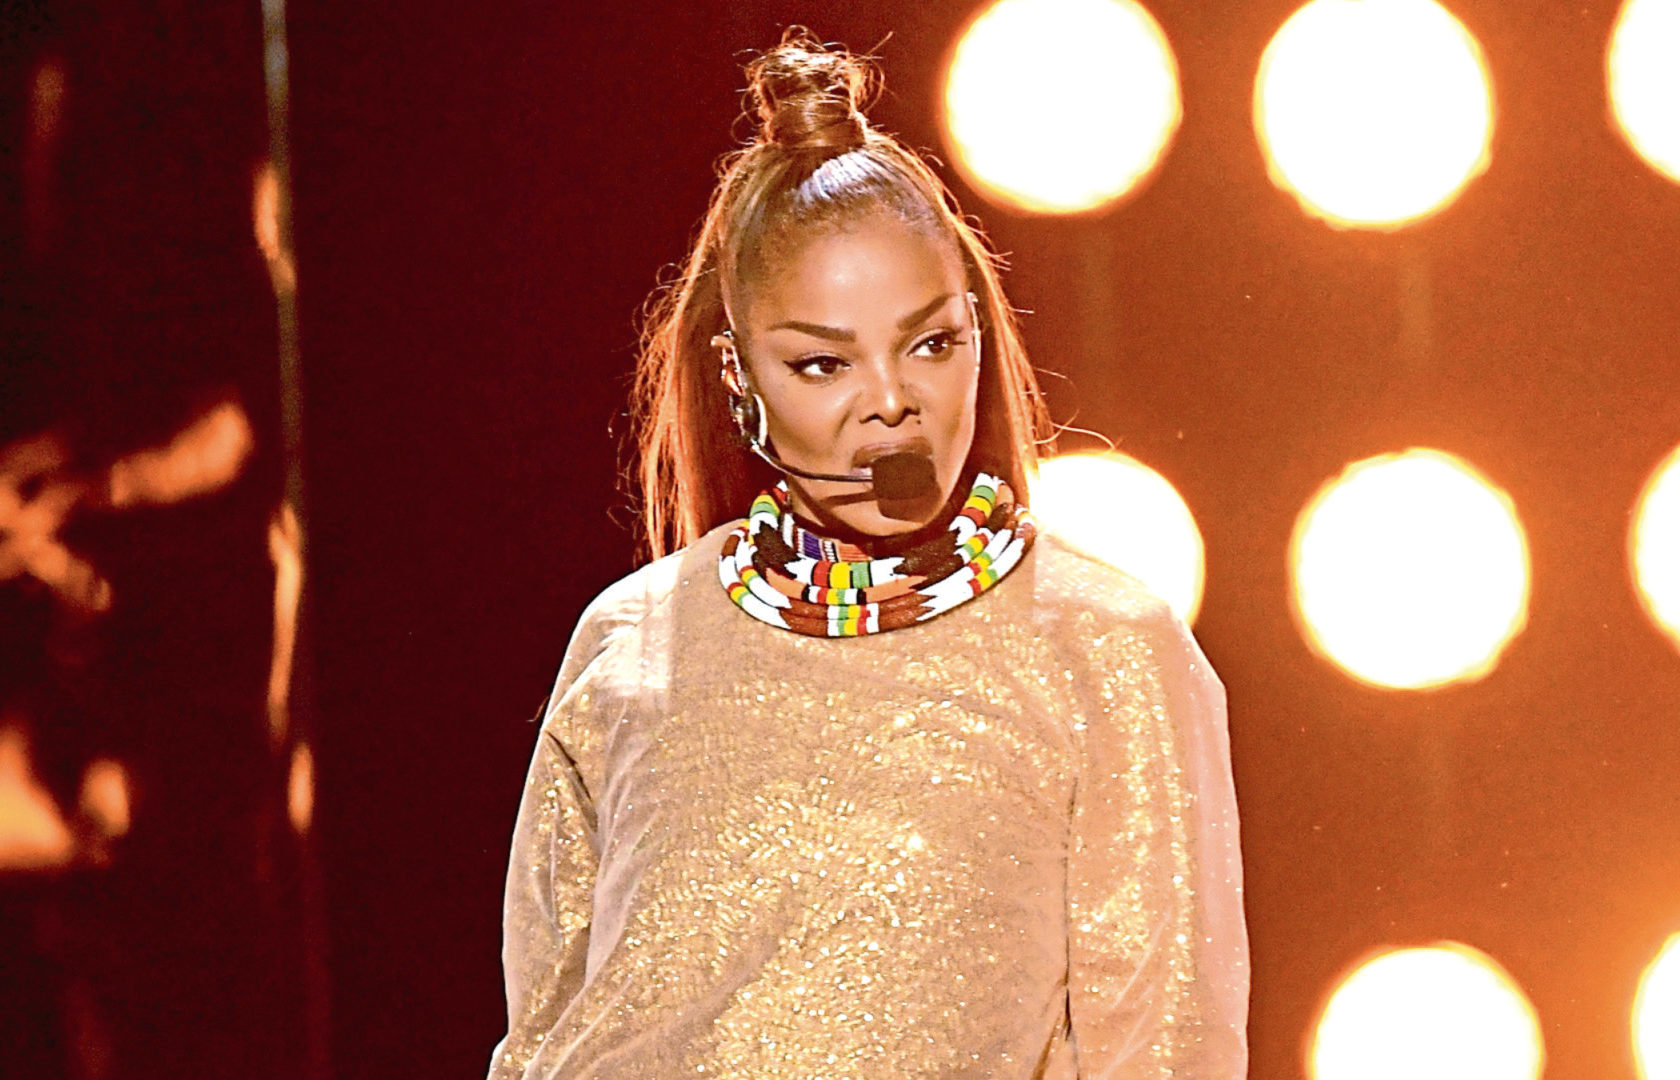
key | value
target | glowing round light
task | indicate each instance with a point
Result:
(1446, 1012)
(1128, 515)
(1644, 81)
(1059, 106)
(1656, 1016)
(1410, 570)
(1654, 546)
(1373, 113)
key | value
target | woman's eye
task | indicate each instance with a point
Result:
(817, 367)
(938, 344)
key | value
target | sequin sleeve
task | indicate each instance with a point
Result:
(1157, 949)
(545, 915)
(547, 908)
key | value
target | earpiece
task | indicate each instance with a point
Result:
(750, 425)
(745, 406)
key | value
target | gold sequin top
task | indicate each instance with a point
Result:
(999, 844)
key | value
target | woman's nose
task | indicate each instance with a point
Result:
(889, 399)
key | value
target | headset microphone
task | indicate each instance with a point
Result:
(903, 476)
(895, 477)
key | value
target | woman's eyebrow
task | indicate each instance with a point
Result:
(920, 314)
(835, 333)
(830, 333)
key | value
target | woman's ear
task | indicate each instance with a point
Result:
(734, 378)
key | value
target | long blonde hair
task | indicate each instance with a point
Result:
(815, 161)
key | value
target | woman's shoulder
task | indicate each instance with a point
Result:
(1099, 616)
(633, 598)
(1073, 580)
(629, 600)
(624, 608)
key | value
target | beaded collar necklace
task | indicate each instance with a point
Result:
(781, 573)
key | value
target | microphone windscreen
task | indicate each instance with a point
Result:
(903, 476)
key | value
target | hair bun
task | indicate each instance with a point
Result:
(810, 97)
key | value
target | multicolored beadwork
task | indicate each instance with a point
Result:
(781, 573)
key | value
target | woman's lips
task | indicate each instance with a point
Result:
(865, 456)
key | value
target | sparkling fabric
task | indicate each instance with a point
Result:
(999, 844)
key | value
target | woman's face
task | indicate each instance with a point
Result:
(861, 343)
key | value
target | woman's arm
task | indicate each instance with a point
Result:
(549, 902)
(545, 915)
(1157, 948)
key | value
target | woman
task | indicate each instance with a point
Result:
(876, 782)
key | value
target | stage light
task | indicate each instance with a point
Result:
(37, 499)
(1373, 113)
(265, 220)
(104, 796)
(285, 548)
(1410, 570)
(1060, 106)
(300, 788)
(46, 100)
(1656, 1016)
(206, 455)
(1643, 76)
(1654, 546)
(1447, 1012)
(1128, 515)
(33, 834)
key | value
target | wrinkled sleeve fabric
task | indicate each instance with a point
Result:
(1158, 971)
